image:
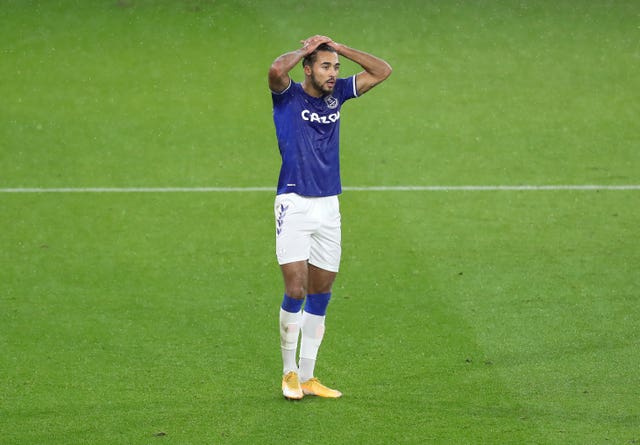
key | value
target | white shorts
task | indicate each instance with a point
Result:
(308, 229)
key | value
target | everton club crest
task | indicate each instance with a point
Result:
(332, 102)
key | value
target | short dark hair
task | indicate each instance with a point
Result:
(310, 59)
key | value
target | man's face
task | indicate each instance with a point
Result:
(324, 72)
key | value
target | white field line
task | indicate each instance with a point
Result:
(407, 188)
(137, 189)
(481, 188)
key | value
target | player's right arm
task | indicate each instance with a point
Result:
(279, 79)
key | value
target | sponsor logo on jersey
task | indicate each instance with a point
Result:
(315, 117)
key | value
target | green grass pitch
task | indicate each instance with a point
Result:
(462, 317)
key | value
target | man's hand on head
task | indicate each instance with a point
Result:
(310, 44)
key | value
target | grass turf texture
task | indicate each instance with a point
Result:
(460, 317)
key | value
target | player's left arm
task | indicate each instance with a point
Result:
(375, 71)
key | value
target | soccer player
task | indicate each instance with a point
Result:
(307, 213)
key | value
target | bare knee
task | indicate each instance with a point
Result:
(296, 291)
(295, 277)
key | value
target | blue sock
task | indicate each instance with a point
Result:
(317, 303)
(291, 304)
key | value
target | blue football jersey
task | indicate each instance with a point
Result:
(308, 133)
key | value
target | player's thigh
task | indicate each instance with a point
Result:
(320, 280)
(296, 278)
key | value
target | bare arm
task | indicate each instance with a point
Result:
(375, 69)
(279, 72)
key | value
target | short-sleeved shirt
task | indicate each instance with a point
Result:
(308, 133)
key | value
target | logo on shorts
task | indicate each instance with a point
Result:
(331, 102)
(282, 212)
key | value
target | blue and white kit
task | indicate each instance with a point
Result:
(307, 212)
(308, 132)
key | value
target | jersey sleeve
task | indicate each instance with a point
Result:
(346, 88)
(282, 96)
